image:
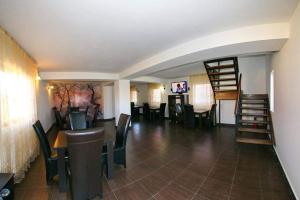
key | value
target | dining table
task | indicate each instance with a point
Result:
(61, 146)
(201, 113)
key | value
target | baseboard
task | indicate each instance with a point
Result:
(292, 190)
(224, 124)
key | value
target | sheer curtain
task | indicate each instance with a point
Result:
(18, 142)
(133, 94)
(155, 94)
(201, 92)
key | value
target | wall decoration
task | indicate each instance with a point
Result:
(76, 94)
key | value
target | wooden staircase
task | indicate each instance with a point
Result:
(223, 75)
(253, 119)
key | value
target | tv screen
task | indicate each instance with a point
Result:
(179, 87)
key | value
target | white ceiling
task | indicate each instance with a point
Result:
(109, 36)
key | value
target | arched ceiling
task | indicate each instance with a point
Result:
(112, 36)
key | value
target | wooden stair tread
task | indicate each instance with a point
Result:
(253, 108)
(220, 73)
(225, 90)
(254, 96)
(254, 114)
(253, 121)
(225, 85)
(254, 141)
(251, 102)
(220, 67)
(223, 79)
(254, 130)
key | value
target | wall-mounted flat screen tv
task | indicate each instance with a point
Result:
(179, 87)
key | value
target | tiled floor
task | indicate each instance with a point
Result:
(167, 162)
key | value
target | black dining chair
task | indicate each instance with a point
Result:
(189, 116)
(60, 122)
(84, 167)
(49, 157)
(178, 113)
(146, 111)
(162, 109)
(74, 109)
(210, 119)
(134, 111)
(78, 120)
(160, 113)
(120, 141)
(96, 112)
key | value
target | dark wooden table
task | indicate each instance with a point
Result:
(200, 113)
(61, 146)
(7, 182)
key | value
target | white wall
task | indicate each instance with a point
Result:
(44, 105)
(286, 65)
(254, 71)
(108, 102)
(122, 98)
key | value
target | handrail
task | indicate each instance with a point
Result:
(239, 93)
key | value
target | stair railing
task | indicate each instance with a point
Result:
(238, 95)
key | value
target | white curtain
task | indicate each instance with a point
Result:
(201, 95)
(155, 94)
(18, 142)
(133, 94)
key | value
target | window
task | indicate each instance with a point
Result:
(272, 91)
(155, 97)
(202, 95)
(133, 96)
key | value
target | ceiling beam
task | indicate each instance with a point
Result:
(245, 40)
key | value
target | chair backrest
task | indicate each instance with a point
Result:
(122, 130)
(212, 111)
(162, 109)
(40, 132)
(78, 120)
(189, 116)
(178, 108)
(85, 149)
(146, 110)
(96, 111)
(58, 118)
(132, 104)
(132, 107)
(74, 109)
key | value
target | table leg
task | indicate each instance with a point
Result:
(110, 159)
(62, 170)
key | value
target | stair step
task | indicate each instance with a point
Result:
(253, 108)
(220, 67)
(225, 85)
(220, 73)
(254, 114)
(254, 141)
(254, 130)
(251, 102)
(223, 79)
(253, 121)
(235, 90)
(255, 96)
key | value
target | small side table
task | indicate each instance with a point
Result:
(7, 182)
